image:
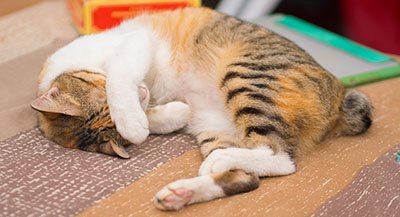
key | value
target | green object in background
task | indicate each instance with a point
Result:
(398, 157)
(333, 39)
(369, 77)
(385, 66)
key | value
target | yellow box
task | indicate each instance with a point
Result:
(91, 16)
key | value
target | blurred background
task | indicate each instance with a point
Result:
(375, 23)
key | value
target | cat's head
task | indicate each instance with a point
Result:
(74, 113)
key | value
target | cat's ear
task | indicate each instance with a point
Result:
(113, 148)
(54, 101)
(119, 149)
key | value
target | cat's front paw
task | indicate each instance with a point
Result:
(132, 126)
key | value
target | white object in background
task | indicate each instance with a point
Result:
(257, 8)
(231, 7)
(247, 10)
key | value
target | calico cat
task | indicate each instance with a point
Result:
(254, 100)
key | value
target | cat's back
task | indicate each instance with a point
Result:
(204, 35)
(173, 25)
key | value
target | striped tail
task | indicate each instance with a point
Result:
(357, 114)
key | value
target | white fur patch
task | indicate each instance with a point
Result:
(162, 78)
(207, 104)
(187, 191)
(127, 55)
(123, 79)
(169, 117)
(85, 53)
(261, 161)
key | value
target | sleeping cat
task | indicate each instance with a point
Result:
(254, 100)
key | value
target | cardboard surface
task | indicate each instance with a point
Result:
(9, 6)
(321, 174)
(18, 85)
(33, 28)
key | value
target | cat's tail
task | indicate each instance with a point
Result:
(356, 113)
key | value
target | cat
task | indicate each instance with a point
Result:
(254, 100)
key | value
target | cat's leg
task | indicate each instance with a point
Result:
(248, 137)
(267, 136)
(167, 118)
(260, 161)
(125, 70)
(223, 148)
(184, 192)
(225, 171)
(213, 127)
(215, 131)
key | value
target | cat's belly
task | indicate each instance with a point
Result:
(206, 104)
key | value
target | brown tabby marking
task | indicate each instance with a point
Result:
(91, 130)
(236, 181)
(210, 141)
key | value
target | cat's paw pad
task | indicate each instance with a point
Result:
(218, 161)
(172, 199)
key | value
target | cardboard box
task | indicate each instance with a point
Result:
(91, 16)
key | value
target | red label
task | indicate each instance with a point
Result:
(107, 16)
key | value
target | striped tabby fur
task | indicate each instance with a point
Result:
(257, 100)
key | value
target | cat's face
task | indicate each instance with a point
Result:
(74, 113)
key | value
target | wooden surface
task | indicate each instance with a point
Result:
(320, 176)
(41, 178)
(10, 6)
(374, 192)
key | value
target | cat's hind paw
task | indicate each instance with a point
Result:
(172, 199)
(183, 192)
(164, 119)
